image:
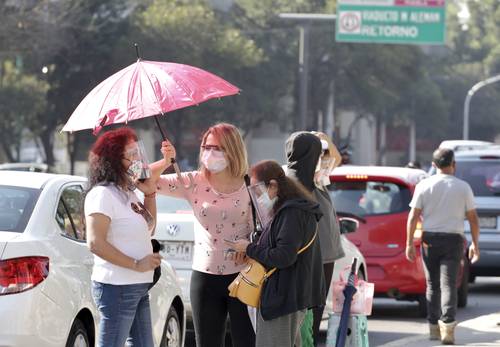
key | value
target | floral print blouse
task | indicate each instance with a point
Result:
(222, 215)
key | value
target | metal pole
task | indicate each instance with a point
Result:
(468, 98)
(304, 20)
(413, 141)
(304, 74)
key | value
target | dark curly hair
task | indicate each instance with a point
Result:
(288, 188)
(105, 158)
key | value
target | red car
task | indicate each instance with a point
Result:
(379, 198)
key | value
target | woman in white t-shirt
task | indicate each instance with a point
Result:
(119, 229)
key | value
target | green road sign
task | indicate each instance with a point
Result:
(391, 21)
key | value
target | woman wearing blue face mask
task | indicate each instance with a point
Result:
(221, 204)
(289, 217)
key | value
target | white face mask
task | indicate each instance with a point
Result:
(263, 203)
(213, 160)
(266, 202)
(322, 178)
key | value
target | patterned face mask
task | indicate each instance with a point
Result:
(139, 165)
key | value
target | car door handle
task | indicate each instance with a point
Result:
(357, 243)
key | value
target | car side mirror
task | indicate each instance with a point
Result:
(348, 225)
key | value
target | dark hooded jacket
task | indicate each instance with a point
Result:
(299, 281)
(303, 150)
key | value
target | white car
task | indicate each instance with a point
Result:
(177, 225)
(464, 145)
(45, 268)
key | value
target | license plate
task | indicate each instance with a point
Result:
(178, 250)
(488, 222)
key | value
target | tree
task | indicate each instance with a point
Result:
(22, 99)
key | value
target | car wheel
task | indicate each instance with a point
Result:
(172, 334)
(422, 306)
(463, 290)
(78, 336)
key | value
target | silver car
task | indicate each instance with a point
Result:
(481, 169)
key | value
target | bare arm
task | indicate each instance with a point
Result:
(148, 188)
(150, 205)
(411, 225)
(97, 230)
(474, 229)
(336, 157)
(157, 168)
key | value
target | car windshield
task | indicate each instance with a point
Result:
(16, 206)
(167, 204)
(483, 176)
(369, 198)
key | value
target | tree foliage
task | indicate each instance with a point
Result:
(81, 42)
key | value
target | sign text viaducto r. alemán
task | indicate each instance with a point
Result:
(391, 21)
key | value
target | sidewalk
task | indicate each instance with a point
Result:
(480, 331)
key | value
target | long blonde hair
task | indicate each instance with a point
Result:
(229, 137)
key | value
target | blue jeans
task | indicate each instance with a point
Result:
(125, 314)
(441, 254)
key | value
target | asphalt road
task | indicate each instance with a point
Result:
(393, 320)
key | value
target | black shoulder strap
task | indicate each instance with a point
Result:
(247, 183)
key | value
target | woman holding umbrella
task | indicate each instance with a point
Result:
(291, 228)
(220, 201)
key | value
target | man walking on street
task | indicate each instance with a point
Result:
(443, 201)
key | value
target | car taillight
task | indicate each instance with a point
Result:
(356, 177)
(21, 274)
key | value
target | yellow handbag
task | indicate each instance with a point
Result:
(247, 286)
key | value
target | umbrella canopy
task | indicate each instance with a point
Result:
(143, 89)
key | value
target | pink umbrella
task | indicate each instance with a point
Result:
(143, 89)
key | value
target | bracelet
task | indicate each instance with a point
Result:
(151, 195)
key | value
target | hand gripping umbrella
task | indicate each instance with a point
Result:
(145, 89)
(349, 291)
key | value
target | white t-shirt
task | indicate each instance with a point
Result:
(444, 200)
(128, 232)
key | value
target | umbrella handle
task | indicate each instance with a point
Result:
(180, 178)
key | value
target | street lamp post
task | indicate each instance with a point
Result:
(470, 93)
(304, 20)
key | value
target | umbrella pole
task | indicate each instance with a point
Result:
(174, 162)
(163, 136)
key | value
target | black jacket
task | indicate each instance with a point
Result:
(299, 281)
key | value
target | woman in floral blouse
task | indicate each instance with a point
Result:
(221, 204)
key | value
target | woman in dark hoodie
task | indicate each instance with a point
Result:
(309, 154)
(289, 217)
